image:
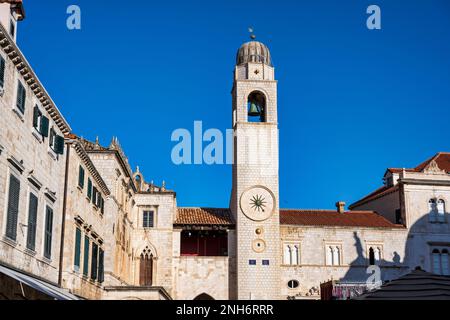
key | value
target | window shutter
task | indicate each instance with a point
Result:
(48, 233)
(101, 267)
(13, 207)
(89, 190)
(32, 221)
(81, 177)
(21, 96)
(59, 144)
(150, 222)
(77, 249)
(102, 205)
(86, 256)
(51, 140)
(94, 263)
(2, 71)
(44, 126)
(94, 195)
(36, 114)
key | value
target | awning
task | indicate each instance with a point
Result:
(39, 285)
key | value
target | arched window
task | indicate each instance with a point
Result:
(445, 262)
(146, 268)
(295, 255)
(371, 256)
(287, 255)
(336, 256)
(256, 107)
(441, 210)
(436, 255)
(377, 253)
(329, 255)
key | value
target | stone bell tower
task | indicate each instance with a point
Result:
(254, 198)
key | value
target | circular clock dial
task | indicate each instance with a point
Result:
(257, 203)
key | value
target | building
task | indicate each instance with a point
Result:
(77, 222)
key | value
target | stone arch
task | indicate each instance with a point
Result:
(203, 296)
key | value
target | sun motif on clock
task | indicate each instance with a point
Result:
(257, 203)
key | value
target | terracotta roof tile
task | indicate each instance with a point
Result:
(332, 218)
(204, 216)
(442, 160)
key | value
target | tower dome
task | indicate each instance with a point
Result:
(253, 51)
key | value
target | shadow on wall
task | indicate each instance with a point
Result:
(428, 229)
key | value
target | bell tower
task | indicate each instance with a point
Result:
(254, 199)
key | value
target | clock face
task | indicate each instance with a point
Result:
(257, 203)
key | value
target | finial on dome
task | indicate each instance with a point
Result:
(252, 35)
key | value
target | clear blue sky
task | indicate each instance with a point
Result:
(351, 101)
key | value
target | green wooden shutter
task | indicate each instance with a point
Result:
(86, 256)
(89, 190)
(94, 262)
(2, 71)
(76, 262)
(36, 115)
(102, 205)
(13, 207)
(81, 177)
(32, 221)
(48, 233)
(59, 144)
(94, 195)
(44, 126)
(101, 266)
(21, 96)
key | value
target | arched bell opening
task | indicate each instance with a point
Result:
(256, 107)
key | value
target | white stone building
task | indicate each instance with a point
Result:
(76, 221)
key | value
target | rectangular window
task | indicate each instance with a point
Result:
(77, 257)
(32, 221)
(86, 256)
(101, 265)
(81, 177)
(21, 97)
(56, 142)
(48, 232)
(40, 122)
(148, 219)
(252, 262)
(13, 207)
(89, 190)
(94, 195)
(265, 262)
(2, 71)
(94, 263)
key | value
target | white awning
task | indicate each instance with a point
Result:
(39, 285)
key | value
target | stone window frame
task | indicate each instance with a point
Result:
(141, 209)
(374, 244)
(338, 245)
(36, 192)
(18, 175)
(292, 244)
(434, 216)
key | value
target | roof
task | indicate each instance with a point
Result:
(442, 160)
(17, 6)
(204, 216)
(368, 219)
(253, 51)
(417, 285)
(380, 192)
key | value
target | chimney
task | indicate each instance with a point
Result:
(340, 206)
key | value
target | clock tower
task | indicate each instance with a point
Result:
(254, 199)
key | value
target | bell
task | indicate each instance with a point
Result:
(254, 110)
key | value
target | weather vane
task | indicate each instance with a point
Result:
(252, 35)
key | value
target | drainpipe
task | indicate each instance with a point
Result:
(63, 225)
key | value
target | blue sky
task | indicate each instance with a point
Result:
(351, 101)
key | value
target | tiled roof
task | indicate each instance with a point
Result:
(442, 160)
(417, 285)
(333, 218)
(384, 190)
(204, 216)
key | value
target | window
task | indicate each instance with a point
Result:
(146, 268)
(56, 142)
(86, 256)
(265, 262)
(101, 267)
(287, 255)
(398, 216)
(89, 190)
(81, 177)
(291, 254)
(371, 256)
(94, 195)
(436, 210)
(148, 219)
(440, 261)
(32, 221)
(2, 71)
(21, 97)
(94, 262)
(333, 255)
(12, 28)
(441, 210)
(13, 207)
(48, 232)
(77, 258)
(292, 284)
(40, 122)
